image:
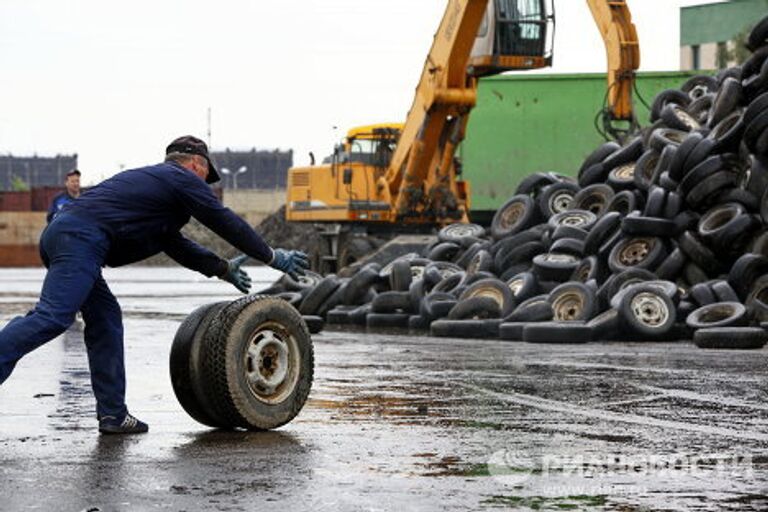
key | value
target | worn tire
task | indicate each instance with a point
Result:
(718, 314)
(185, 365)
(736, 338)
(572, 302)
(516, 214)
(319, 294)
(637, 252)
(267, 328)
(535, 309)
(647, 312)
(557, 332)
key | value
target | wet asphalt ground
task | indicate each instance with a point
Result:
(394, 422)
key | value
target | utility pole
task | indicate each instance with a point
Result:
(209, 128)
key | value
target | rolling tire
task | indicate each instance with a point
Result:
(185, 365)
(258, 363)
(736, 338)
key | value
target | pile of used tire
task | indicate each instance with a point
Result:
(662, 238)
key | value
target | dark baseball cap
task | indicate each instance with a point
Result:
(73, 172)
(194, 146)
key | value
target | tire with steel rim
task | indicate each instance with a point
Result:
(185, 365)
(258, 363)
(455, 232)
(647, 311)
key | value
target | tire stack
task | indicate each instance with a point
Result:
(661, 238)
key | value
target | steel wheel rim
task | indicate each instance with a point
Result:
(649, 309)
(635, 252)
(568, 306)
(574, 219)
(560, 202)
(493, 293)
(625, 172)
(271, 363)
(511, 215)
(515, 285)
(460, 230)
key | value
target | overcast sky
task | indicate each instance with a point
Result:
(115, 82)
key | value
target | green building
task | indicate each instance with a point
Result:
(529, 123)
(710, 34)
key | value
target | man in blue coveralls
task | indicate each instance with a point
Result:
(127, 218)
(73, 192)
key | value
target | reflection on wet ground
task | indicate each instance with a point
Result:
(393, 422)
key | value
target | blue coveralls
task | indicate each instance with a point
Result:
(57, 204)
(127, 218)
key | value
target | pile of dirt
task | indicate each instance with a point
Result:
(290, 235)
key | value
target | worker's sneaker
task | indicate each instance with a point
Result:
(126, 425)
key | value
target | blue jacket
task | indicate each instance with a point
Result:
(57, 204)
(144, 209)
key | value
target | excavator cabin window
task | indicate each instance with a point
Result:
(521, 27)
(514, 35)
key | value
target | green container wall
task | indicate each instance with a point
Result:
(526, 124)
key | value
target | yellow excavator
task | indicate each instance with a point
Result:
(389, 179)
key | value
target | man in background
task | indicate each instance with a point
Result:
(73, 192)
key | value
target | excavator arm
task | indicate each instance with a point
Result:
(622, 49)
(444, 95)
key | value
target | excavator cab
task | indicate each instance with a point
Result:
(514, 35)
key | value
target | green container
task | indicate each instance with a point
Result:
(528, 123)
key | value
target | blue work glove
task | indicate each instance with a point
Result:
(236, 275)
(293, 263)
